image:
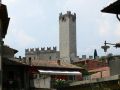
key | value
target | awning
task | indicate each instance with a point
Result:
(113, 8)
(59, 72)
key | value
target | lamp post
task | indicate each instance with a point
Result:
(105, 47)
(113, 8)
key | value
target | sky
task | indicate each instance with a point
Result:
(35, 23)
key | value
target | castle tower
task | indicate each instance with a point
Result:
(67, 36)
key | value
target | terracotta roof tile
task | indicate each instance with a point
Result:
(53, 63)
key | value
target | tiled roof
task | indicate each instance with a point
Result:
(100, 72)
(100, 69)
(92, 64)
(49, 64)
(53, 63)
(13, 61)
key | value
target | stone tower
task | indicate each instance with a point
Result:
(67, 36)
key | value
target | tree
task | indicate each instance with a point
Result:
(95, 54)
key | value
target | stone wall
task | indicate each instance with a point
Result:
(114, 67)
(42, 54)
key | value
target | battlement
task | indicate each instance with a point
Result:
(63, 17)
(48, 49)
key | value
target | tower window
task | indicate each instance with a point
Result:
(50, 57)
(63, 19)
(29, 58)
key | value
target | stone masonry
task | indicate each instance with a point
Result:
(67, 36)
(42, 54)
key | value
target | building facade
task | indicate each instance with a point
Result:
(67, 36)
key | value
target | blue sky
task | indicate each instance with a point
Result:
(34, 23)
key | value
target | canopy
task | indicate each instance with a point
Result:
(113, 8)
(59, 72)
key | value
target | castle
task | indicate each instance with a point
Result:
(42, 54)
(67, 42)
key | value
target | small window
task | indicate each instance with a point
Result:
(50, 57)
(71, 77)
(34, 76)
(29, 58)
(11, 75)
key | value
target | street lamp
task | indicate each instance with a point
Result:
(105, 47)
(113, 8)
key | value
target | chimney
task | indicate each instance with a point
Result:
(83, 56)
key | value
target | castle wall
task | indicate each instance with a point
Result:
(42, 54)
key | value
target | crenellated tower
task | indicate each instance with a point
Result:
(67, 36)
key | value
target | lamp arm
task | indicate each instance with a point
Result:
(110, 44)
(117, 15)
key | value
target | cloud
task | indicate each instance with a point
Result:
(117, 30)
(20, 38)
(71, 5)
(9, 2)
(111, 1)
(24, 39)
(104, 28)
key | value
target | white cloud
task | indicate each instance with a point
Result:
(24, 39)
(90, 49)
(72, 5)
(117, 30)
(20, 38)
(104, 28)
(111, 1)
(9, 2)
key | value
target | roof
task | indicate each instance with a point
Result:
(8, 49)
(54, 64)
(13, 61)
(86, 82)
(91, 64)
(113, 8)
(99, 69)
(44, 64)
